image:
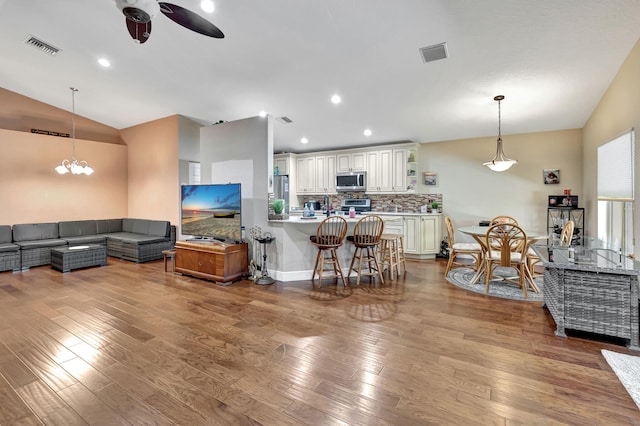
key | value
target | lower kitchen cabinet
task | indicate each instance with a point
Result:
(422, 236)
(422, 233)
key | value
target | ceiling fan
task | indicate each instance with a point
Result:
(139, 14)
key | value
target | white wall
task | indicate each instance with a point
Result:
(472, 192)
(617, 112)
(249, 142)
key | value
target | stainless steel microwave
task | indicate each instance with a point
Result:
(351, 181)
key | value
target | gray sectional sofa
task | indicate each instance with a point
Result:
(137, 240)
(9, 252)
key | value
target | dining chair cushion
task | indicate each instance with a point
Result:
(466, 246)
(495, 256)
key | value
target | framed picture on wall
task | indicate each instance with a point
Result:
(551, 176)
(430, 178)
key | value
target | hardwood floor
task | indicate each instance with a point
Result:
(131, 344)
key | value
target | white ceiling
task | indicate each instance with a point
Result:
(552, 59)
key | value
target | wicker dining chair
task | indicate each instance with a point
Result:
(469, 249)
(506, 246)
(329, 237)
(566, 236)
(504, 219)
(365, 238)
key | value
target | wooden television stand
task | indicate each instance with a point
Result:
(212, 260)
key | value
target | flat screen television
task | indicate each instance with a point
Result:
(212, 211)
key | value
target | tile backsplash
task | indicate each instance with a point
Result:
(386, 202)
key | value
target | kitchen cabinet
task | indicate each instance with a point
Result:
(351, 162)
(390, 168)
(379, 171)
(306, 175)
(404, 170)
(284, 163)
(422, 236)
(422, 232)
(325, 182)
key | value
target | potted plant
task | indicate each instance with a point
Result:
(434, 207)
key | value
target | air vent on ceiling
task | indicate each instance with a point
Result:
(39, 44)
(285, 120)
(434, 53)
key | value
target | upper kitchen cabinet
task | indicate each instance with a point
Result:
(325, 174)
(306, 175)
(380, 171)
(351, 162)
(283, 164)
(405, 169)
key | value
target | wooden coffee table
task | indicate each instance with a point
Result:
(64, 259)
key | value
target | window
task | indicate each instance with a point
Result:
(616, 192)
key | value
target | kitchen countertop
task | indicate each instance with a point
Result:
(314, 220)
(382, 213)
(298, 219)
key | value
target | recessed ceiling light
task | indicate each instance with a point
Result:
(263, 114)
(304, 140)
(367, 132)
(104, 62)
(336, 99)
(207, 6)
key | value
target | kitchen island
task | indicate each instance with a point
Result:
(292, 256)
(592, 288)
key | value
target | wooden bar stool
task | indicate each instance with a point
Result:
(389, 254)
(392, 254)
(366, 238)
(329, 236)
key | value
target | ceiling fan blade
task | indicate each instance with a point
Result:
(140, 32)
(190, 20)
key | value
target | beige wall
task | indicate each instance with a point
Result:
(153, 169)
(617, 112)
(31, 191)
(21, 113)
(471, 192)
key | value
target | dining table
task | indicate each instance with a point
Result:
(479, 233)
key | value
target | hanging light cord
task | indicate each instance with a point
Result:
(73, 122)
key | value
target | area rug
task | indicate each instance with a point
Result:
(627, 368)
(461, 277)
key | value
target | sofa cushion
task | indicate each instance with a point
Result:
(138, 226)
(8, 247)
(52, 242)
(106, 226)
(131, 237)
(76, 228)
(5, 234)
(86, 239)
(35, 231)
(160, 228)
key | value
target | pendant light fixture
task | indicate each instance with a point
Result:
(74, 166)
(500, 162)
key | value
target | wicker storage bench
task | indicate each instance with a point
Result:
(65, 259)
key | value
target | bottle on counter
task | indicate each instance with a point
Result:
(305, 212)
(312, 211)
(352, 212)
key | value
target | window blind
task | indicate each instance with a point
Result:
(615, 168)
